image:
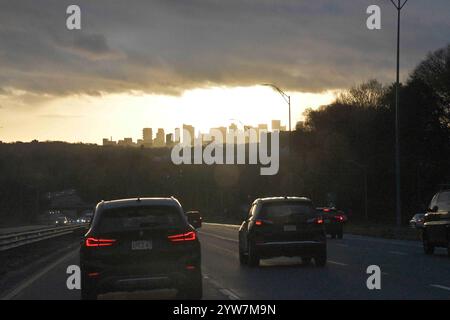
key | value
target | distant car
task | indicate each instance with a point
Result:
(282, 226)
(194, 218)
(417, 220)
(140, 244)
(334, 221)
(436, 228)
(61, 221)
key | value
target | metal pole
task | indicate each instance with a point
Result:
(397, 119)
(289, 149)
(365, 195)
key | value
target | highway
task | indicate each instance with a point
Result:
(407, 273)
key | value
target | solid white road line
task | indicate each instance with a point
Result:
(28, 282)
(440, 287)
(337, 263)
(234, 226)
(216, 236)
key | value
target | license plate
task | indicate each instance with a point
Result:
(288, 228)
(141, 245)
(327, 221)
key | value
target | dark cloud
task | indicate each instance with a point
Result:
(170, 46)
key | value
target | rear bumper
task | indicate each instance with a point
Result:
(103, 284)
(333, 227)
(290, 248)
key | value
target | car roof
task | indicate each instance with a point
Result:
(137, 202)
(281, 199)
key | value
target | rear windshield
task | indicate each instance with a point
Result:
(138, 218)
(284, 212)
(443, 201)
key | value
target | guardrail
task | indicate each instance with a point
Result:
(17, 239)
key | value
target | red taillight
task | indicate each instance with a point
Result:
(188, 236)
(93, 242)
(340, 218)
(93, 274)
(319, 221)
(258, 222)
(326, 210)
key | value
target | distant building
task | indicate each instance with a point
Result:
(159, 141)
(147, 136)
(262, 128)
(169, 139)
(108, 142)
(276, 125)
(191, 131)
(233, 126)
(177, 135)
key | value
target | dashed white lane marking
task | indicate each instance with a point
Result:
(218, 237)
(440, 287)
(226, 292)
(399, 253)
(229, 294)
(337, 263)
(38, 275)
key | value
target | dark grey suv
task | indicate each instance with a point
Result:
(139, 244)
(282, 226)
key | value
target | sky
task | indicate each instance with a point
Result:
(148, 63)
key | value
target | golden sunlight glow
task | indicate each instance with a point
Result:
(89, 118)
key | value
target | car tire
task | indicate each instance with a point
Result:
(427, 247)
(253, 259)
(87, 292)
(321, 259)
(333, 235)
(192, 289)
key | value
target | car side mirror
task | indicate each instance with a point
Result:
(194, 219)
(434, 209)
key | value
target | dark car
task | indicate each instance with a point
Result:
(282, 226)
(436, 228)
(140, 244)
(417, 220)
(334, 221)
(194, 218)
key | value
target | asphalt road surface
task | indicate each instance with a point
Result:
(407, 273)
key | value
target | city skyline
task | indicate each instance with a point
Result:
(164, 139)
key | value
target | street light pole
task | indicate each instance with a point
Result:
(399, 6)
(286, 98)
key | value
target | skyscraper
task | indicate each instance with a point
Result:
(147, 136)
(276, 125)
(191, 131)
(160, 138)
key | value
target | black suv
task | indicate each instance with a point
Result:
(139, 244)
(282, 226)
(436, 227)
